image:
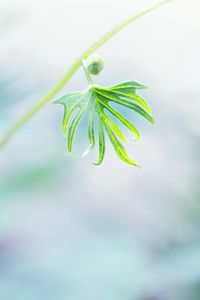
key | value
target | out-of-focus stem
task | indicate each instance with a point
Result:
(72, 70)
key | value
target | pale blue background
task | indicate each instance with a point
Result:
(69, 230)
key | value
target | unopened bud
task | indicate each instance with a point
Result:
(95, 64)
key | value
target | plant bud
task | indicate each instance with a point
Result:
(95, 64)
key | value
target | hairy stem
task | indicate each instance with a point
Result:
(72, 70)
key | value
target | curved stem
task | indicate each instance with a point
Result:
(72, 70)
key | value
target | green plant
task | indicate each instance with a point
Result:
(96, 98)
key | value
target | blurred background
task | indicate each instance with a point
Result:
(70, 230)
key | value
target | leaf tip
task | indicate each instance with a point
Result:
(137, 138)
(153, 122)
(96, 164)
(69, 147)
(138, 166)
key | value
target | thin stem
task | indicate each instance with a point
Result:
(121, 26)
(87, 73)
(72, 70)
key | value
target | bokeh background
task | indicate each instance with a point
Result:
(73, 231)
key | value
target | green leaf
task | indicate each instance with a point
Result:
(119, 149)
(101, 143)
(128, 85)
(120, 117)
(82, 108)
(112, 97)
(128, 90)
(97, 100)
(115, 128)
(71, 102)
(91, 133)
(133, 96)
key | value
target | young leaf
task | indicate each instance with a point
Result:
(82, 108)
(114, 127)
(128, 90)
(121, 118)
(70, 102)
(119, 149)
(131, 86)
(91, 133)
(134, 97)
(112, 97)
(97, 99)
(101, 143)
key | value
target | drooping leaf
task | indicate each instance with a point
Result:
(112, 97)
(128, 85)
(97, 100)
(82, 105)
(91, 133)
(119, 149)
(70, 102)
(134, 97)
(119, 116)
(101, 143)
(128, 90)
(114, 127)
